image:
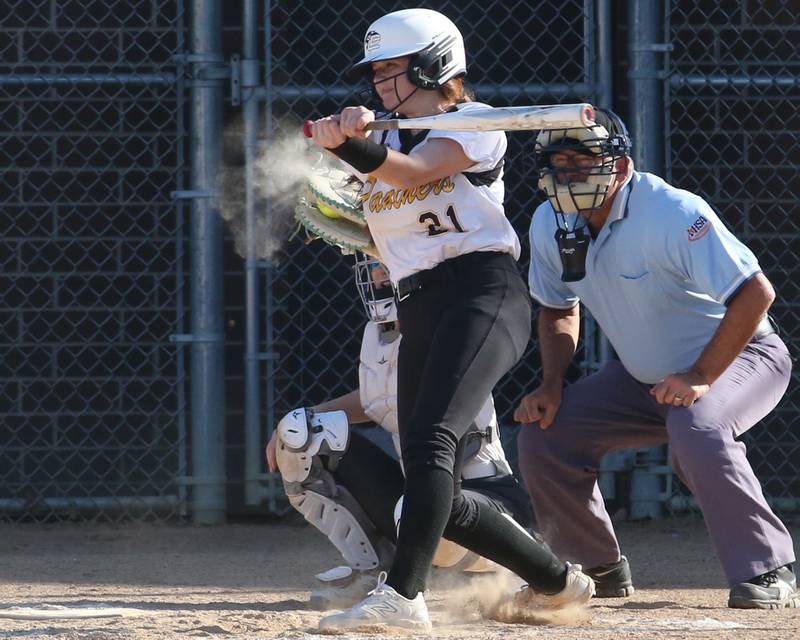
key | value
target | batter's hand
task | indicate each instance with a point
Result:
(540, 406)
(353, 120)
(272, 460)
(327, 132)
(680, 389)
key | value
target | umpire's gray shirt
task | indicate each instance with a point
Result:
(658, 275)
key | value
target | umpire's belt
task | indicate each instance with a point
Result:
(766, 327)
(448, 271)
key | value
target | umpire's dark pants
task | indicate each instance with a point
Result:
(610, 410)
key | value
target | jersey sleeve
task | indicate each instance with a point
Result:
(544, 273)
(485, 148)
(708, 254)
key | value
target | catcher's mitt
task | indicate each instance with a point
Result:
(329, 210)
(335, 193)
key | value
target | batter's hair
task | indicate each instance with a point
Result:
(456, 92)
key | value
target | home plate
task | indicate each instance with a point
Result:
(699, 624)
(58, 612)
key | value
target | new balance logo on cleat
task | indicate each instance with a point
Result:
(383, 606)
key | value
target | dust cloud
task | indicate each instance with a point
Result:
(282, 168)
(489, 596)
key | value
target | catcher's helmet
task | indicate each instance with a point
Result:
(608, 139)
(431, 39)
(377, 293)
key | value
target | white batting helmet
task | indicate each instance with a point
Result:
(431, 39)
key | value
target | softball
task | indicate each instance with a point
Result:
(327, 211)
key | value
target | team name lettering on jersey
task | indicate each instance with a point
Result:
(416, 226)
(396, 198)
(699, 228)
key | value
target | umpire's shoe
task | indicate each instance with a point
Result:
(612, 580)
(776, 589)
(384, 606)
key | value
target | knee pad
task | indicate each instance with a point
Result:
(309, 448)
(307, 440)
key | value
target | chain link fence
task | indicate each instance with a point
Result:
(734, 137)
(93, 103)
(91, 146)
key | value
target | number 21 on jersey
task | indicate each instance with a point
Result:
(434, 226)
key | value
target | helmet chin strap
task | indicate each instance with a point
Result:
(400, 101)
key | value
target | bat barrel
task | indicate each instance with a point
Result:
(502, 118)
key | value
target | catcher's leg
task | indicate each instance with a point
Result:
(309, 447)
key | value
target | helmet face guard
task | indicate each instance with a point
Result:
(375, 289)
(600, 146)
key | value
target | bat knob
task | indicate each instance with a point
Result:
(307, 128)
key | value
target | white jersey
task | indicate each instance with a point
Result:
(417, 228)
(377, 377)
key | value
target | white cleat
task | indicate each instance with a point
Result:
(578, 591)
(383, 606)
(528, 606)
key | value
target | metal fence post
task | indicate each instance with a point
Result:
(250, 81)
(646, 118)
(207, 367)
(646, 124)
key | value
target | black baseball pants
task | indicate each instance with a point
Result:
(466, 324)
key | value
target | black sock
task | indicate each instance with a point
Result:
(496, 537)
(427, 502)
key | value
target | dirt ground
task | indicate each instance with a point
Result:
(253, 581)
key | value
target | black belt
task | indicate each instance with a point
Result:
(408, 285)
(448, 270)
(766, 327)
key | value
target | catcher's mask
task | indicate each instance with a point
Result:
(582, 185)
(433, 43)
(375, 289)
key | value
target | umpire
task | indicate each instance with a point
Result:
(684, 305)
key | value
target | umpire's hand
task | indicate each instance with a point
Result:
(540, 406)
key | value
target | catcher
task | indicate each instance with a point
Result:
(351, 489)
